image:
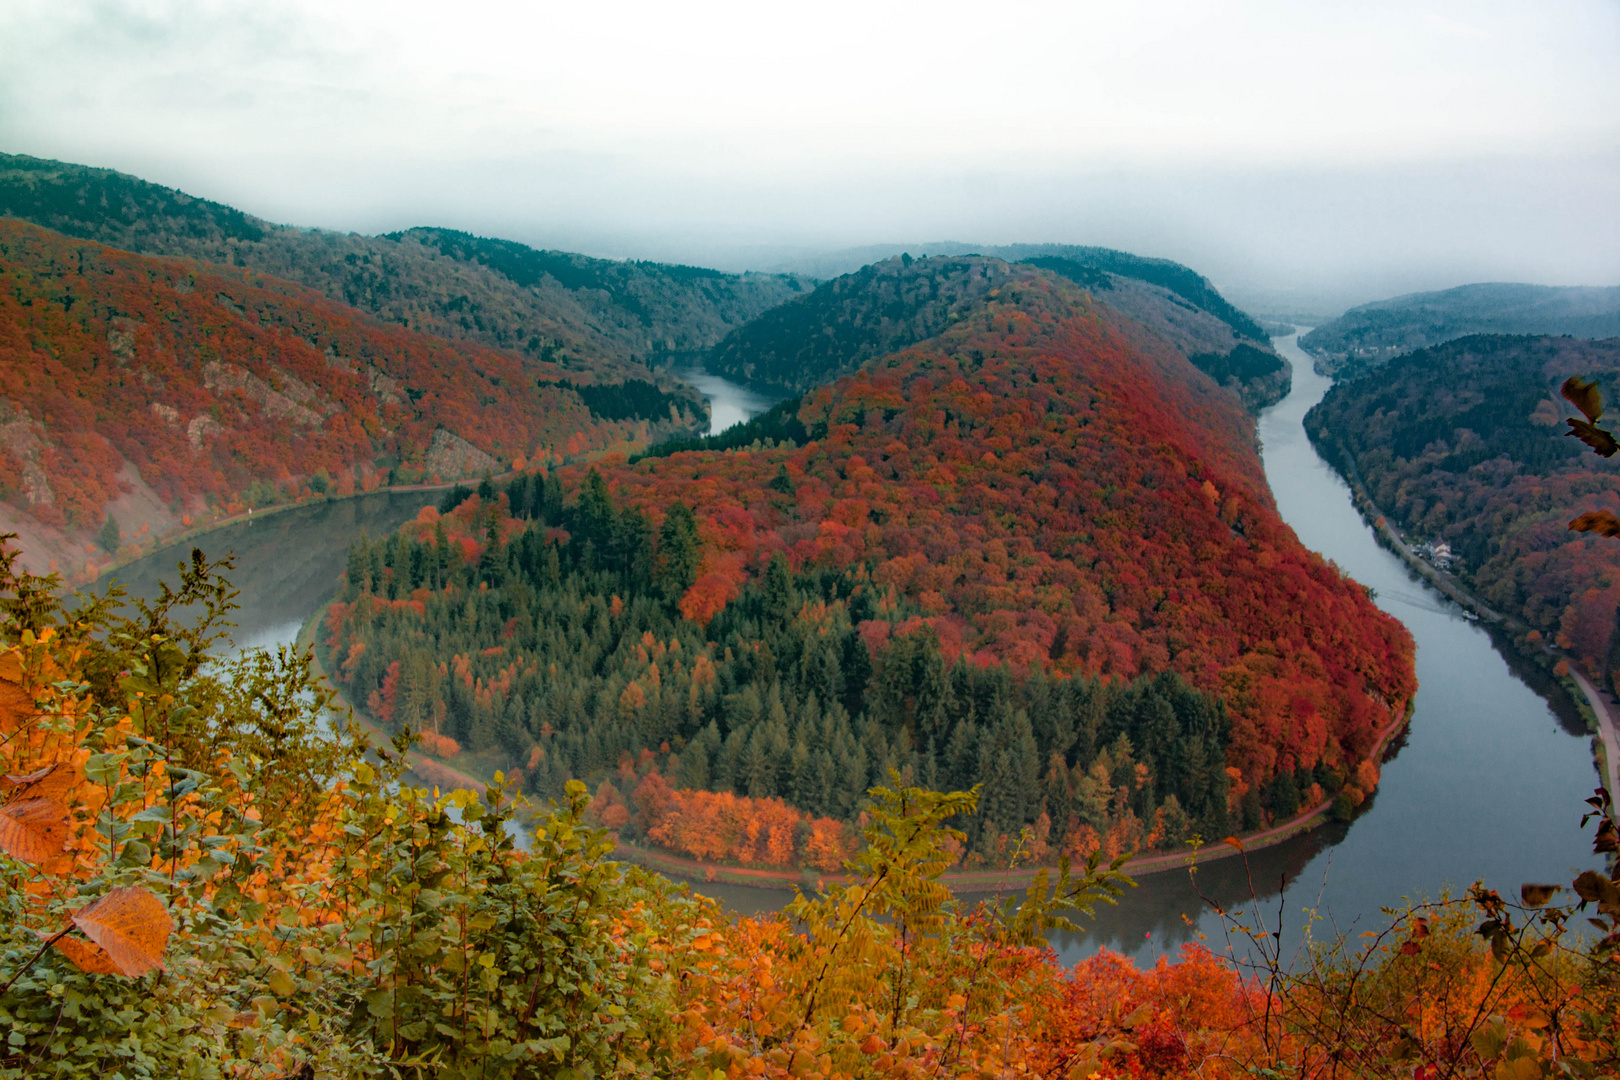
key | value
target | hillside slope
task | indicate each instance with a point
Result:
(205, 387)
(1462, 443)
(1028, 494)
(592, 315)
(894, 303)
(1369, 335)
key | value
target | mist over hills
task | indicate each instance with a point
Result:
(608, 318)
(1367, 336)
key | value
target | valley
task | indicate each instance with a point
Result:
(1462, 794)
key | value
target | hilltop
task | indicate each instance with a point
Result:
(168, 390)
(891, 304)
(1096, 266)
(599, 317)
(1460, 443)
(1367, 336)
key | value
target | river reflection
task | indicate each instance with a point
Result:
(287, 563)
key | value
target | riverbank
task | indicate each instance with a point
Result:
(1605, 711)
(1004, 880)
(988, 880)
(434, 773)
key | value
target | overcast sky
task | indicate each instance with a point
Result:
(1321, 152)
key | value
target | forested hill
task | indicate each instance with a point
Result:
(1366, 336)
(205, 388)
(1090, 266)
(591, 315)
(845, 322)
(1023, 551)
(1463, 443)
(891, 304)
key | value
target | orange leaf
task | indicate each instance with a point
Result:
(131, 924)
(86, 956)
(1234, 842)
(51, 782)
(1597, 521)
(1601, 442)
(1584, 395)
(33, 829)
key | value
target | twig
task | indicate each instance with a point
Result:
(20, 971)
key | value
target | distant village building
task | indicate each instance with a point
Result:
(1437, 553)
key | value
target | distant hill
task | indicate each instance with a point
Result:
(845, 322)
(1090, 262)
(889, 305)
(591, 315)
(1463, 443)
(1367, 336)
(196, 390)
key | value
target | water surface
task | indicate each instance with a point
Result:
(287, 562)
(729, 404)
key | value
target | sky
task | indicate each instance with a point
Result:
(1304, 155)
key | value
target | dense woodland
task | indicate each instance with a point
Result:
(893, 304)
(225, 388)
(845, 322)
(1366, 336)
(601, 318)
(1460, 443)
(1164, 603)
(575, 659)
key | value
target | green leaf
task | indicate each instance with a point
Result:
(135, 853)
(280, 983)
(104, 769)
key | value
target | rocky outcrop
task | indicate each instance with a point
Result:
(278, 405)
(451, 457)
(23, 438)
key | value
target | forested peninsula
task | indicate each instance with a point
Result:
(777, 626)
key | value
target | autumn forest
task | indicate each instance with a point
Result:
(998, 585)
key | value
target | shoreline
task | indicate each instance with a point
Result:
(992, 881)
(1605, 714)
(679, 867)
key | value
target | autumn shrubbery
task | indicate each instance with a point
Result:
(720, 826)
(298, 907)
(312, 909)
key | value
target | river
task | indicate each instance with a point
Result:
(1487, 782)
